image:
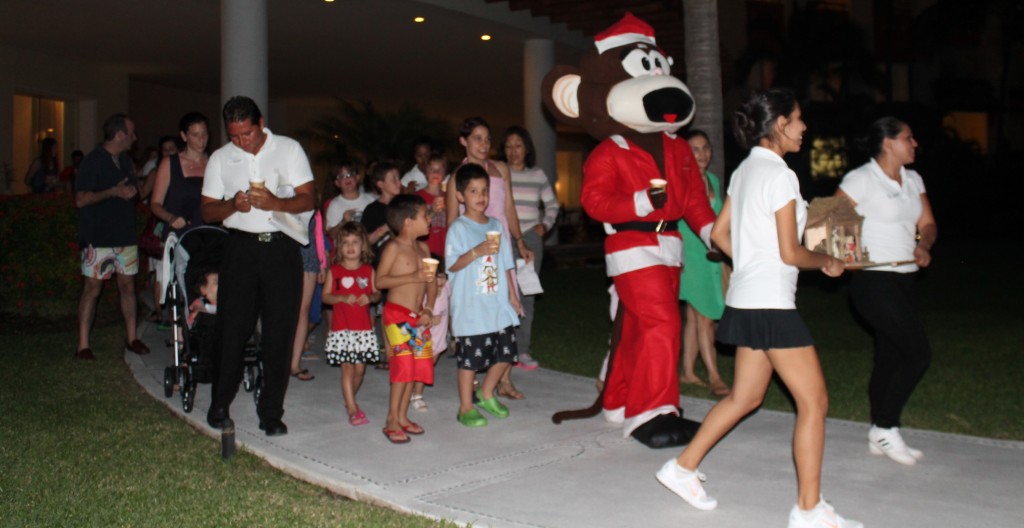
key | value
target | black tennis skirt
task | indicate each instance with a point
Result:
(762, 329)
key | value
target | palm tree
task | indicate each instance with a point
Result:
(704, 75)
(359, 132)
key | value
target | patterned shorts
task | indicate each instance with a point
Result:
(102, 263)
(352, 346)
(480, 352)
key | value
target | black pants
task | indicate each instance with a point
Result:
(258, 280)
(902, 355)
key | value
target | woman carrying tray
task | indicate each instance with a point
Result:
(898, 227)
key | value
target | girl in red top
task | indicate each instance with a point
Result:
(351, 342)
(433, 194)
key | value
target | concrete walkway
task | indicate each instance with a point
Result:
(527, 472)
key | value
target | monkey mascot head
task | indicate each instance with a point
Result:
(623, 87)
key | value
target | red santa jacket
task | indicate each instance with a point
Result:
(616, 177)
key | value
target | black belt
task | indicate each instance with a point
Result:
(259, 237)
(648, 227)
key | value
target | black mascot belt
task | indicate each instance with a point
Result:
(647, 227)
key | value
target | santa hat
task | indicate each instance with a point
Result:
(626, 31)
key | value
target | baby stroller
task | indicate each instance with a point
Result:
(198, 251)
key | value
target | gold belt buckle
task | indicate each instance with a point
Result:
(660, 228)
(264, 237)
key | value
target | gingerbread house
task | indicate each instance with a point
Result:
(834, 228)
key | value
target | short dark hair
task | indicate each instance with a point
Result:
(380, 171)
(470, 123)
(468, 173)
(192, 118)
(423, 141)
(437, 156)
(199, 281)
(239, 109)
(403, 207)
(531, 153)
(114, 124)
(694, 132)
(756, 118)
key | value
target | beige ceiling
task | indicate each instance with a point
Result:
(352, 48)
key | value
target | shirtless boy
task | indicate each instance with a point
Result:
(406, 315)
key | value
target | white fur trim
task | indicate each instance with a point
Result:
(669, 252)
(620, 141)
(705, 234)
(615, 416)
(622, 39)
(633, 422)
(642, 203)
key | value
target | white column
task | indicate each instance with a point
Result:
(538, 60)
(243, 51)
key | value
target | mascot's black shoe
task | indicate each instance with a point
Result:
(666, 430)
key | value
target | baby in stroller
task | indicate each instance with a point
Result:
(203, 322)
(205, 292)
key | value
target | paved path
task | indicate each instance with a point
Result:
(527, 472)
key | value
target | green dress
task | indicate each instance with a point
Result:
(701, 281)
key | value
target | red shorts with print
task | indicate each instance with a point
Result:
(409, 349)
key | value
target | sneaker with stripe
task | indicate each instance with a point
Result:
(686, 484)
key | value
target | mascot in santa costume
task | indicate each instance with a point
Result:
(639, 181)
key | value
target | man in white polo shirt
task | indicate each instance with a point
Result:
(261, 270)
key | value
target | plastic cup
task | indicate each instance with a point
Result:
(494, 236)
(257, 184)
(430, 265)
(658, 183)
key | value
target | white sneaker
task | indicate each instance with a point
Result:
(418, 402)
(822, 516)
(890, 443)
(686, 484)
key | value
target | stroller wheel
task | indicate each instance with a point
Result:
(249, 378)
(257, 389)
(188, 397)
(168, 382)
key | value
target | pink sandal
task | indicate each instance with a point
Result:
(357, 419)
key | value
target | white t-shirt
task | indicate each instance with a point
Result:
(415, 175)
(340, 205)
(760, 186)
(280, 162)
(890, 212)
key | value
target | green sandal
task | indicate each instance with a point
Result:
(492, 406)
(472, 418)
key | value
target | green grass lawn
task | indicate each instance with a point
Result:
(83, 445)
(970, 302)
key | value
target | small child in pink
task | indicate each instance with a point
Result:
(350, 287)
(438, 335)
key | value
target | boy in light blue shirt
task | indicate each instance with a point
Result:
(484, 306)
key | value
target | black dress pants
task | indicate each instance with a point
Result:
(885, 301)
(258, 281)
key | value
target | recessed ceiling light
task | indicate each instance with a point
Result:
(485, 37)
(419, 20)
(329, 1)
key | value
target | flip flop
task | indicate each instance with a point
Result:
(413, 428)
(395, 436)
(357, 419)
(303, 375)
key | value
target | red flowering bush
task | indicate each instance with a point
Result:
(39, 256)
